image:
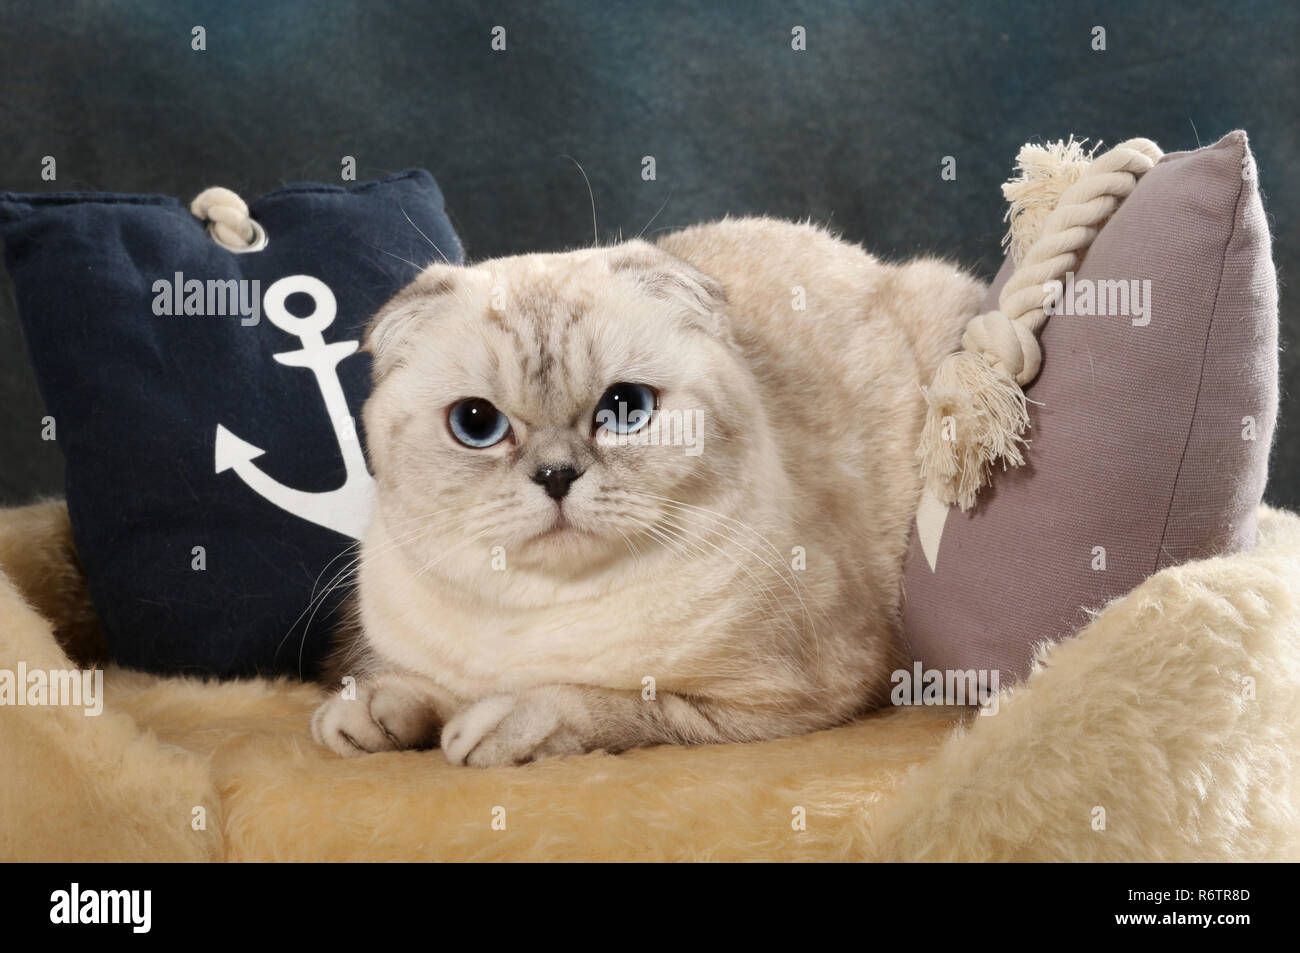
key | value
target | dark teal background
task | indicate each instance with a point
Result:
(851, 132)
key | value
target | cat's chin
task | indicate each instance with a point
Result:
(562, 532)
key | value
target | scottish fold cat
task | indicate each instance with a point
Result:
(640, 494)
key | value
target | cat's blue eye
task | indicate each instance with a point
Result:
(476, 423)
(626, 408)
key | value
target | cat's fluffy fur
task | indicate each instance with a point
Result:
(745, 592)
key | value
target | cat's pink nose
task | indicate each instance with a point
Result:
(556, 480)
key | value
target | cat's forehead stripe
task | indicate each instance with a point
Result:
(540, 318)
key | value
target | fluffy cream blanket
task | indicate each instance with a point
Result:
(1169, 729)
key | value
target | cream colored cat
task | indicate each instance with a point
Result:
(640, 495)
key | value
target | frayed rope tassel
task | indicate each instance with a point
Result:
(976, 409)
(976, 416)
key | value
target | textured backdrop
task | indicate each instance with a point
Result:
(851, 131)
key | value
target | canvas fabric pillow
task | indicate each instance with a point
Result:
(215, 475)
(1149, 435)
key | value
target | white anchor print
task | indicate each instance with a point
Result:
(346, 509)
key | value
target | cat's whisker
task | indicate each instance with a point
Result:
(637, 556)
(417, 523)
(662, 206)
(340, 579)
(793, 581)
(684, 541)
(721, 519)
(418, 268)
(428, 567)
(413, 526)
(432, 243)
(595, 232)
(721, 522)
(676, 543)
(355, 548)
(704, 511)
(740, 564)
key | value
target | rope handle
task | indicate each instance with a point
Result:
(228, 220)
(976, 409)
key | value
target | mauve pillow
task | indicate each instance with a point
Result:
(1149, 433)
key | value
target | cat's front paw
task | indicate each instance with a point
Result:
(383, 714)
(516, 729)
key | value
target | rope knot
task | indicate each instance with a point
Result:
(228, 220)
(1008, 346)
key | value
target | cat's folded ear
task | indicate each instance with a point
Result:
(394, 323)
(669, 278)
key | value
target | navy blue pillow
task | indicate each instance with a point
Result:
(215, 475)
